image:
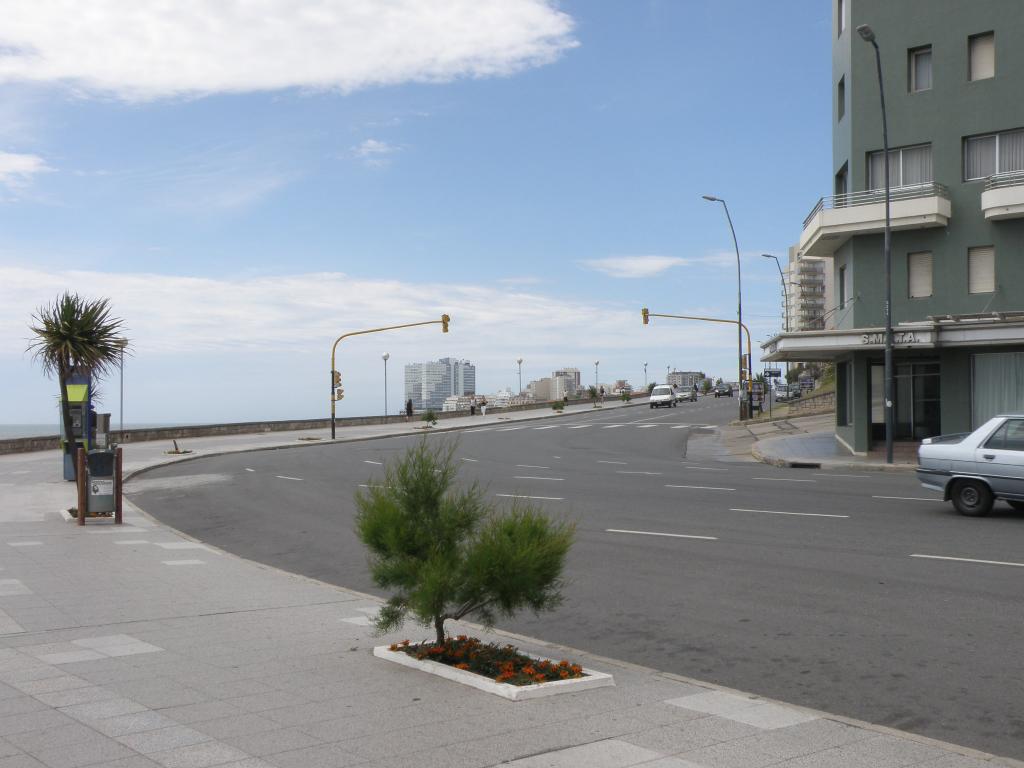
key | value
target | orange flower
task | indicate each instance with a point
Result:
(462, 638)
(564, 674)
(393, 647)
(539, 678)
(463, 665)
(529, 670)
(405, 642)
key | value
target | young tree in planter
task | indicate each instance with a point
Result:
(449, 553)
(75, 336)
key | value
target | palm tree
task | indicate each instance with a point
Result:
(75, 336)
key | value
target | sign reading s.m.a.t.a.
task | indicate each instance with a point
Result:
(898, 337)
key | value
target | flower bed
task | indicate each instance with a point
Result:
(498, 669)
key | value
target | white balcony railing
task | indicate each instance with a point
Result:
(1003, 196)
(837, 218)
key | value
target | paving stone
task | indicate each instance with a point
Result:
(771, 716)
(608, 753)
(689, 735)
(60, 736)
(52, 684)
(17, 705)
(136, 722)
(715, 702)
(324, 756)
(162, 739)
(206, 711)
(98, 710)
(271, 742)
(199, 755)
(72, 696)
(33, 721)
(86, 753)
(741, 753)
(20, 761)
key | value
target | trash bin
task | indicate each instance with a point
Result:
(100, 481)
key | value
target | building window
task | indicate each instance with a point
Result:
(843, 394)
(981, 63)
(981, 269)
(985, 156)
(842, 287)
(908, 166)
(841, 98)
(920, 68)
(840, 17)
(997, 385)
(842, 181)
(919, 274)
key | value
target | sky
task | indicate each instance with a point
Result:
(248, 181)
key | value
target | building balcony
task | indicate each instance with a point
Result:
(836, 219)
(1003, 197)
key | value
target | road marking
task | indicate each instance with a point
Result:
(369, 461)
(825, 474)
(25, 543)
(183, 562)
(520, 496)
(364, 485)
(553, 426)
(773, 512)
(582, 426)
(613, 426)
(634, 472)
(970, 560)
(531, 466)
(647, 426)
(656, 533)
(249, 470)
(510, 429)
(285, 477)
(473, 460)
(485, 429)
(530, 477)
(701, 487)
(709, 469)
(602, 461)
(682, 426)
(906, 498)
(783, 479)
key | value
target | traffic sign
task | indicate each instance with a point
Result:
(772, 373)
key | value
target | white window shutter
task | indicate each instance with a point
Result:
(919, 274)
(983, 56)
(981, 269)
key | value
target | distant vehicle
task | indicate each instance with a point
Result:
(790, 392)
(723, 390)
(686, 396)
(662, 395)
(973, 469)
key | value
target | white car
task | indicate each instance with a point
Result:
(662, 395)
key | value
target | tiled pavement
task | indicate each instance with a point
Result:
(134, 647)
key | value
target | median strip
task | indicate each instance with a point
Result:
(656, 533)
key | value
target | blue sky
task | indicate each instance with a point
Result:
(246, 193)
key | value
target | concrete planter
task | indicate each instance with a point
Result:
(512, 692)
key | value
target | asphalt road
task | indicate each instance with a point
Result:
(829, 590)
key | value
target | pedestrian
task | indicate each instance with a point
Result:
(483, 407)
(408, 409)
(601, 392)
(472, 407)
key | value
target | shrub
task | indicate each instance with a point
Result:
(558, 405)
(449, 553)
(430, 417)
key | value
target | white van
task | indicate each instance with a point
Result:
(663, 395)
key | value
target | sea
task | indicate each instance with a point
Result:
(8, 431)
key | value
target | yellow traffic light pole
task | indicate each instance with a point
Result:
(337, 392)
(646, 314)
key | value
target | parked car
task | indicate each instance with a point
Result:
(790, 392)
(662, 395)
(973, 469)
(723, 391)
(686, 396)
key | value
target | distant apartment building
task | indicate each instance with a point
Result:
(804, 302)
(457, 403)
(685, 379)
(428, 385)
(570, 373)
(540, 389)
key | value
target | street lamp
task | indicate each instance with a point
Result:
(785, 293)
(385, 357)
(121, 344)
(519, 362)
(869, 36)
(645, 375)
(739, 293)
(596, 364)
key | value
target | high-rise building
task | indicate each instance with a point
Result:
(808, 284)
(685, 379)
(956, 176)
(428, 385)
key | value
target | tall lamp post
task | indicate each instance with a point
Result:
(785, 313)
(645, 375)
(596, 364)
(869, 36)
(385, 357)
(519, 362)
(121, 344)
(739, 298)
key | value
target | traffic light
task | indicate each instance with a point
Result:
(339, 393)
(335, 379)
(645, 313)
(444, 323)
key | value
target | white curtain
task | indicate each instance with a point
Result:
(998, 385)
(979, 157)
(917, 165)
(1011, 151)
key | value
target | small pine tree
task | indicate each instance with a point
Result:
(449, 553)
(430, 417)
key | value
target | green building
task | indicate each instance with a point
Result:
(954, 88)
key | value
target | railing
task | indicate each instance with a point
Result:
(1008, 179)
(850, 199)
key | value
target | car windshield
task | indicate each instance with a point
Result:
(662, 391)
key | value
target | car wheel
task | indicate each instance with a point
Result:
(1018, 505)
(972, 498)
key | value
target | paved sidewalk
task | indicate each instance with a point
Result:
(136, 647)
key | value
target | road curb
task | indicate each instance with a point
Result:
(810, 463)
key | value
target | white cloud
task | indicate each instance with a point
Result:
(17, 170)
(634, 266)
(375, 152)
(150, 49)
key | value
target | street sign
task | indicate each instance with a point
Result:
(772, 373)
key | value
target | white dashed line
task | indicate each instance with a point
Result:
(510, 429)
(249, 470)
(701, 487)
(783, 480)
(634, 472)
(183, 562)
(827, 474)
(286, 477)
(473, 460)
(553, 426)
(709, 469)
(582, 426)
(647, 426)
(655, 533)
(906, 498)
(801, 514)
(613, 426)
(529, 477)
(370, 461)
(531, 466)
(520, 496)
(602, 461)
(485, 429)
(969, 560)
